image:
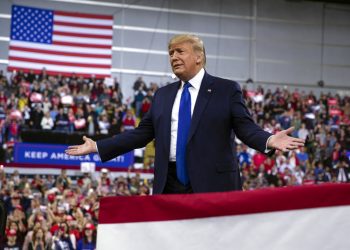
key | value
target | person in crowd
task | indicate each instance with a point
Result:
(11, 243)
(63, 179)
(13, 129)
(36, 116)
(103, 124)
(71, 119)
(80, 121)
(19, 228)
(129, 120)
(61, 239)
(146, 103)
(47, 122)
(62, 121)
(139, 96)
(88, 241)
(85, 182)
(303, 131)
(104, 182)
(38, 240)
(342, 171)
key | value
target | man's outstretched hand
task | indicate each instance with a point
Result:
(282, 141)
(88, 147)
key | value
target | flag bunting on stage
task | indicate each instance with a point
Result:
(303, 218)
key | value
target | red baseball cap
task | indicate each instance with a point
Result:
(69, 218)
(90, 226)
(70, 194)
(15, 196)
(51, 197)
(11, 232)
(39, 218)
(19, 207)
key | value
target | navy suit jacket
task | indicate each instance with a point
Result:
(211, 156)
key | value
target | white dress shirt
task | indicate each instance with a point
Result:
(194, 89)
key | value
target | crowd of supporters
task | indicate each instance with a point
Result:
(323, 121)
(54, 212)
(68, 104)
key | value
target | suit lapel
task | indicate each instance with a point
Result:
(204, 94)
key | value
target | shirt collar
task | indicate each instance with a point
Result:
(196, 80)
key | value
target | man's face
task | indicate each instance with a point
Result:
(184, 61)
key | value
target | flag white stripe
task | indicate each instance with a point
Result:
(317, 228)
(84, 40)
(58, 58)
(61, 48)
(40, 66)
(83, 30)
(83, 20)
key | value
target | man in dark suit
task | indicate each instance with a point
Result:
(192, 121)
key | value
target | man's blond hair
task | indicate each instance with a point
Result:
(197, 44)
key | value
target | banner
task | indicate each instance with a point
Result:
(53, 154)
(303, 218)
(335, 112)
(332, 102)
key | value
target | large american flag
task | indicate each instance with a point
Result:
(61, 42)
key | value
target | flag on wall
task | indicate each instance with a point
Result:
(61, 42)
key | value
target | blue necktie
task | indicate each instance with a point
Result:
(182, 134)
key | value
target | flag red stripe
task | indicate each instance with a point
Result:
(54, 52)
(55, 73)
(62, 33)
(73, 14)
(83, 25)
(88, 65)
(97, 46)
(179, 207)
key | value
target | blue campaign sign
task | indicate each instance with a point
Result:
(54, 154)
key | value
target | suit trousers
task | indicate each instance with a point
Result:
(173, 185)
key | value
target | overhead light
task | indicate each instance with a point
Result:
(320, 83)
(249, 80)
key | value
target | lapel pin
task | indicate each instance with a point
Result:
(209, 90)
